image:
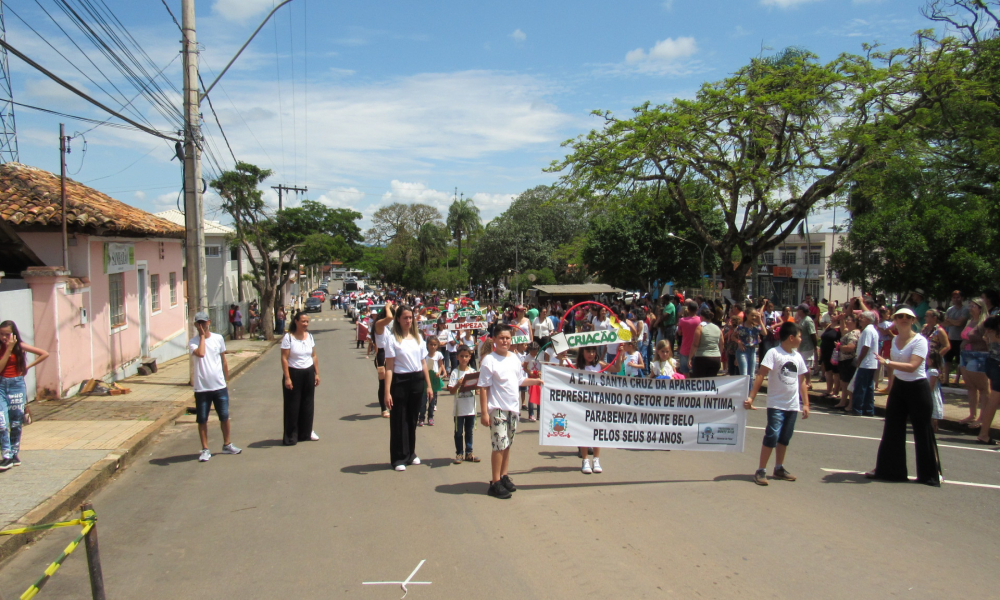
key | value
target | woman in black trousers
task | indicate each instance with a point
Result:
(406, 382)
(380, 331)
(910, 397)
(301, 376)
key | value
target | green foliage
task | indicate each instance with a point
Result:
(527, 235)
(630, 247)
(463, 218)
(765, 146)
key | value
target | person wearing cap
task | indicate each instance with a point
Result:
(211, 371)
(918, 300)
(863, 399)
(910, 397)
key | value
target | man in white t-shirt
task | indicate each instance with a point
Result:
(863, 400)
(787, 377)
(211, 371)
(500, 375)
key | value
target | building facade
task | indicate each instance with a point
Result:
(798, 267)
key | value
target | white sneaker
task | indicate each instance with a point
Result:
(400, 467)
(416, 460)
(597, 465)
(231, 449)
(314, 437)
(586, 467)
(205, 455)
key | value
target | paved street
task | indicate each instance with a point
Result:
(318, 519)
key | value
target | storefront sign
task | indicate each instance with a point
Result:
(119, 258)
(581, 408)
(782, 271)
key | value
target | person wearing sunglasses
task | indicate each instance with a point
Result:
(910, 398)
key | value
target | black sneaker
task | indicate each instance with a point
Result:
(496, 490)
(16, 461)
(507, 483)
(9, 462)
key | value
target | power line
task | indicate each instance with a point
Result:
(167, 6)
(217, 122)
(281, 115)
(240, 115)
(67, 116)
(69, 87)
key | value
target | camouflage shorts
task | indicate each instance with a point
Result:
(503, 425)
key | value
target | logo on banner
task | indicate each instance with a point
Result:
(558, 426)
(717, 433)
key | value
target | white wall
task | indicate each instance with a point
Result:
(17, 306)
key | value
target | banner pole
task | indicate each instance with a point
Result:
(93, 556)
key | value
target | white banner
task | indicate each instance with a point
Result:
(581, 408)
(119, 258)
(473, 326)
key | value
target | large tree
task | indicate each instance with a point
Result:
(780, 137)
(256, 231)
(527, 235)
(463, 219)
(393, 220)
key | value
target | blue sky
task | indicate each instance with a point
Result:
(372, 102)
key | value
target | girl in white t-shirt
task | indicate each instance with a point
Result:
(407, 381)
(663, 363)
(633, 360)
(298, 362)
(587, 360)
(435, 368)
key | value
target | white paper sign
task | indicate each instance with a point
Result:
(581, 408)
(562, 342)
(119, 258)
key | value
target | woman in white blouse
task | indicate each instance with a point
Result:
(301, 376)
(910, 396)
(542, 327)
(406, 380)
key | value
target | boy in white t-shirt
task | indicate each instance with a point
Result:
(787, 380)
(211, 371)
(465, 407)
(499, 377)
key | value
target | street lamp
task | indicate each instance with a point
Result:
(702, 249)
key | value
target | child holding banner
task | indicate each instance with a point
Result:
(787, 378)
(499, 378)
(586, 360)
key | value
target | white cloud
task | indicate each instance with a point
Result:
(240, 10)
(490, 205)
(519, 36)
(785, 3)
(342, 197)
(666, 56)
(668, 5)
(140, 196)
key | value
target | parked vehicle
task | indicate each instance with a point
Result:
(313, 304)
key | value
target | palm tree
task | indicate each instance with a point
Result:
(463, 218)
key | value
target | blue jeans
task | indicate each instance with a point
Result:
(203, 402)
(13, 396)
(645, 350)
(747, 360)
(863, 399)
(780, 427)
(682, 365)
(464, 425)
(427, 408)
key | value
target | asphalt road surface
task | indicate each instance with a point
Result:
(319, 519)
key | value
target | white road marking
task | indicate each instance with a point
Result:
(402, 584)
(943, 480)
(863, 437)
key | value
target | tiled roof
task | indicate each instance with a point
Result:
(211, 227)
(30, 197)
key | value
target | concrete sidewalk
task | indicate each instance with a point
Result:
(76, 445)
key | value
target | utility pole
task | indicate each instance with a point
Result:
(285, 188)
(63, 150)
(195, 276)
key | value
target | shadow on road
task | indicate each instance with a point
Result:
(264, 444)
(566, 469)
(373, 405)
(551, 455)
(366, 469)
(360, 417)
(737, 477)
(473, 487)
(845, 478)
(170, 460)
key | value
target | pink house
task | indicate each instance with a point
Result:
(121, 298)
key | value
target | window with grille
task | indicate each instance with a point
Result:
(814, 258)
(788, 258)
(116, 295)
(769, 258)
(813, 287)
(173, 289)
(154, 293)
(234, 253)
(213, 251)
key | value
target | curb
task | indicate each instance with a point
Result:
(96, 476)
